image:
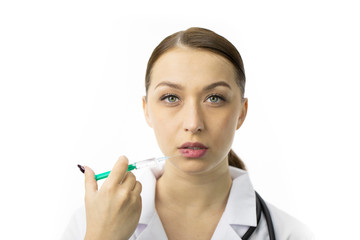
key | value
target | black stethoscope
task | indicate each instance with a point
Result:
(261, 207)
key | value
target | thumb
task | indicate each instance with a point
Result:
(90, 182)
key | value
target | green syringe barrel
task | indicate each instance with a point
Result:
(106, 174)
(137, 165)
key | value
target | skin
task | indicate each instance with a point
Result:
(179, 110)
(117, 203)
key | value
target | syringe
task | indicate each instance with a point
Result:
(151, 162)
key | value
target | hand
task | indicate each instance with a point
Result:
(112, 212)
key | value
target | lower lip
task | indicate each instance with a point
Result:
(192, 153)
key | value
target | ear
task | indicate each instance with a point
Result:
(244, 107)
(146, 111)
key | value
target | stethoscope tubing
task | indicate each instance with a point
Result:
(261, 207)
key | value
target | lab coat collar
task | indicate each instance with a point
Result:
(240, 208)
(148, 182)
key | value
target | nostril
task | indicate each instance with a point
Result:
(194, 130)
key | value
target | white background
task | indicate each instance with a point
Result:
(72, 78)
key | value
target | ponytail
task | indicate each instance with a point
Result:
(235, 161)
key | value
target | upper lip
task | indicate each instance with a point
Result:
(192, 145)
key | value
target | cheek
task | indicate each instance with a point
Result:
(163, 128)
(223, 131)
(163, 124)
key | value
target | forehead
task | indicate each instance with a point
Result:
(196, 66)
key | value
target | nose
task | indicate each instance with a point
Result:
(193, 119)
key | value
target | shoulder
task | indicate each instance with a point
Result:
(76, 227)
(288, 227)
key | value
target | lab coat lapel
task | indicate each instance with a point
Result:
(151, 226)
(240, 208)
(225, 231)
(154, 230)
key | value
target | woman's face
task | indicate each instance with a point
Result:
(194, 106)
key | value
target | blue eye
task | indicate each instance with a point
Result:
(215, 98)
(170, 98)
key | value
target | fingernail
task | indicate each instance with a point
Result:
(82, 169)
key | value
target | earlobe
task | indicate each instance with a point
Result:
(244, 107)
(146, 112)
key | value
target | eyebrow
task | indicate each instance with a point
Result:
(207, 88)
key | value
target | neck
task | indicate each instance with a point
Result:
(194, 192)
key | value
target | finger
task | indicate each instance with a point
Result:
(119, 170)
(137, 188)
(129, 181)
(90, 182)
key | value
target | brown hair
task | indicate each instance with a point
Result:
(201, 38)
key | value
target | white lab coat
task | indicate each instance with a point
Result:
(239, 214)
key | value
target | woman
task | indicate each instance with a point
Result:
(194, 102)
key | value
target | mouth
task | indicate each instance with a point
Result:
(193, 150)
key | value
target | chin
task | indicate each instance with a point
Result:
(194, 166)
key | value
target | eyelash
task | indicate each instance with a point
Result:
(219, 96)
